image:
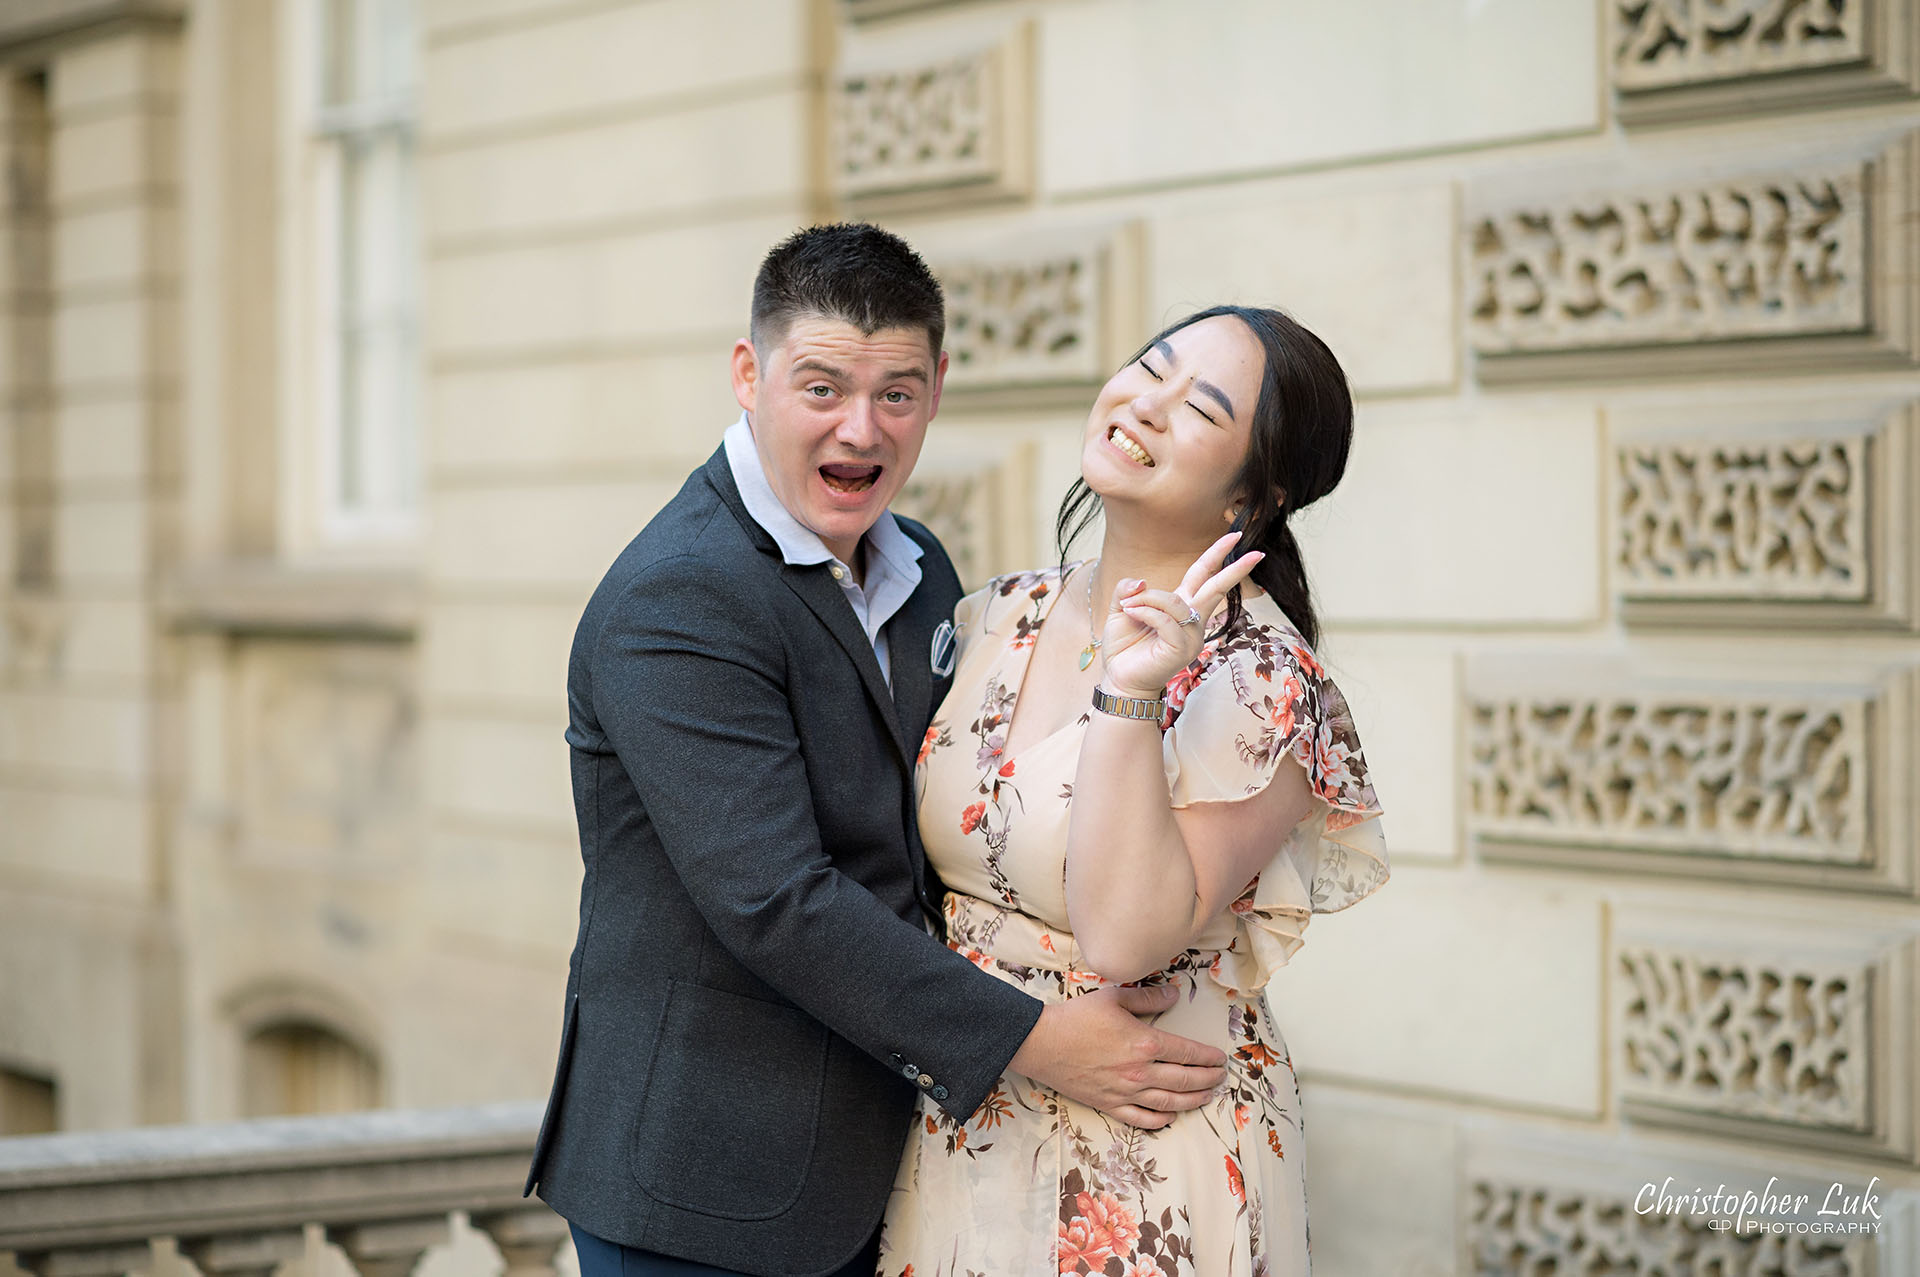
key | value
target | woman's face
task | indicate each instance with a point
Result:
(1169, 431)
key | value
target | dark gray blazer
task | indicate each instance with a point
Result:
(753, 997)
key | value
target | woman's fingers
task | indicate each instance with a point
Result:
(1207, 565)
(1215, 590)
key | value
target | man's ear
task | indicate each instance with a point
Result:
(939, 383)
(746, 372)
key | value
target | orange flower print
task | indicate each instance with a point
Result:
(960, 1137)
(970, 818)
(1306, 660)
(1236, 1185)
(1146, 1266)
(932, 1127)
(1100, 1229)
(1239, 1117)
(1006, 768)
(1080, 1250)
(926, 744)
(1273, 1142)
(1046, 941)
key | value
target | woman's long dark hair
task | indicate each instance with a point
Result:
(1301, 434)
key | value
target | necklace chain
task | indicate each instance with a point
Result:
(1094, 641)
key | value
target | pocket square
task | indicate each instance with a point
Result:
(942, 656)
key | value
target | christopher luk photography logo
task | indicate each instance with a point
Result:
(1841, 1210)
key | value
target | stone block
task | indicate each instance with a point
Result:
(1380, 1175)
(671, 288)
(116, 247)
(513, 770)
(100, 442)
(93, 640)
(552, 538)
(118, 343)
(1404, 691)
(520, 892)
(103, 542)
(60, 955)
(1512, 1016)
(655, 169)
(1416, 533)
(106, 738)
(498, 654)
(581, 64)
(114, 157)
(1370, 272)
(1378, 79)
(657, 412)
(78, 840)
(117, 70)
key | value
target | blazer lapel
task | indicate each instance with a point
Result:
(823, 596)
(909, 652)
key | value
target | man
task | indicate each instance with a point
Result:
(754, 998)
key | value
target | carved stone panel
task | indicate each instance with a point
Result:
(1787, 1040)
(1517, 1230)
(1052, 312)
(1612, 1204)
(1773, 269)
(1792, 1029)
(1767, 518)
(327, 755)
(945, 130)
(1692, 775)
(1685, 59)
(980, 512)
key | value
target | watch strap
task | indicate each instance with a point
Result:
(1129, 706)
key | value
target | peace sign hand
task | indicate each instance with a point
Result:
(1151, 635)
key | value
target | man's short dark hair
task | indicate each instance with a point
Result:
(850, 271)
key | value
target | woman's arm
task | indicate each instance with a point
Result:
(1144, 880)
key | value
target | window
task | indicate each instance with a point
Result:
(296, 1067)
(365, 242)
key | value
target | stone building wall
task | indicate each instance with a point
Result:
(1623, 581)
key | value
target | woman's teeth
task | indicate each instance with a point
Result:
(1118, 438)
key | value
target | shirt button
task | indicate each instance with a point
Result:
(839, 573)
(939, 1092)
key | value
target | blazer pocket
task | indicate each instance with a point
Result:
(732, 1104)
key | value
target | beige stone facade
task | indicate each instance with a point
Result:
(301, 493)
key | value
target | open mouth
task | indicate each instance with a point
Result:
(1127, 444)
(850, 478)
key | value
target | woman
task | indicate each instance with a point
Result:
(1181, 829)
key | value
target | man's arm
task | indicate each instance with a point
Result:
(689, 683)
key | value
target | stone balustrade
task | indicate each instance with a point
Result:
(240, 1198)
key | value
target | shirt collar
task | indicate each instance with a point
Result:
(799, 544)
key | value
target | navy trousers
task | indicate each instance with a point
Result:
(599, 1258)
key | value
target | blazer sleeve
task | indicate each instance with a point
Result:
(689, 684)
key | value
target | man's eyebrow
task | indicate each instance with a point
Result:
(811, 364)
(1214, 392)
(915, 373)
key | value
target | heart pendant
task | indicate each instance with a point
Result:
(1086, 656)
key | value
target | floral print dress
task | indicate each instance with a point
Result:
(1035, 1183)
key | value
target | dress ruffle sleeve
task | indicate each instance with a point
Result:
(1253, 698)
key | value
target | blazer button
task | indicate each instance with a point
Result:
(939, 1092)
(926, 1081)
(911, 1070)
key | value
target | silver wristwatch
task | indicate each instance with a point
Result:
(1129, 706)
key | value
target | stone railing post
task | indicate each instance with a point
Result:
(251, 1254)
(393, 1247)
(529, 1239)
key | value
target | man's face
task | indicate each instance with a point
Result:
(838, 419)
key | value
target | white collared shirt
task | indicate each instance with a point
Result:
(893, 557)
